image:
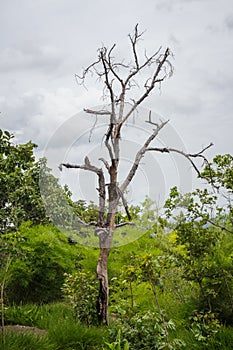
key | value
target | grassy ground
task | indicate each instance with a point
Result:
(62, 333)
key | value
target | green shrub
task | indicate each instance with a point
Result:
(204, 326)
(37, 274)
(144, 331)
(116, 345)
(81, 289)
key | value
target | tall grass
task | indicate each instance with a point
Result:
(68, 335)
(62, 332)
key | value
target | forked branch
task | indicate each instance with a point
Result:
(140, 155)
(188, 156)
(101, 182)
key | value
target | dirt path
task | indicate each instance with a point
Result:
(20, 328)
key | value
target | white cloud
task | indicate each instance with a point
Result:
(29, 57)
(37, 114)
(229, 21)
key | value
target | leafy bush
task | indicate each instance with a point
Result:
(145, 331)
(116, 345)
(204, 326)
(81, 288)
(37, 274)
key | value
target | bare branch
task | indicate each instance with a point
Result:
(103, 53)
(139, 156)
(105, 163)
(101, 189)
(86, 71)
(125, 224)
(203, 150)
(92, 128)
(154, 80)
(125, 204)
(113, 66)
(134, 40)
(107, 144)
(86, 166)
(150, 121)
(101, 112)
(92, 223)
(189, 156)
(147, 62)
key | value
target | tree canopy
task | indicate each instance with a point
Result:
(20, 198)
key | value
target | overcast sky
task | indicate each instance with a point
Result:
(45, 42)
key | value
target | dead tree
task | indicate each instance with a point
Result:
(119, 79)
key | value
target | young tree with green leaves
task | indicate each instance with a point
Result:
(20, 198)
(202, 221)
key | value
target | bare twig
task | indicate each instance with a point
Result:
(92, 128)
(105, 163)
(155, 79)
(101, 112)
(127, 223)
(150, 121)
(125, 204)
(134, 39)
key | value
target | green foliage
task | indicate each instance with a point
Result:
(37, 273)
(144, 331)
(81, 288)
(204, 326)
(25, 341)
(68, 335)
(57, 200)
(63, 333)
(204, 249)
(86, 212)
(28, 190)
(20, 198)
(41, 316)
(116, 345)
(167, 290)
(220, 172)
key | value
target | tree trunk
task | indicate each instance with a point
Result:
(102, 273)
(105, 242)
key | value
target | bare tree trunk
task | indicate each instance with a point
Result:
(102, 273)
(105, 242)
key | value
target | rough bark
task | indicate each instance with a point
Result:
(102, 274)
